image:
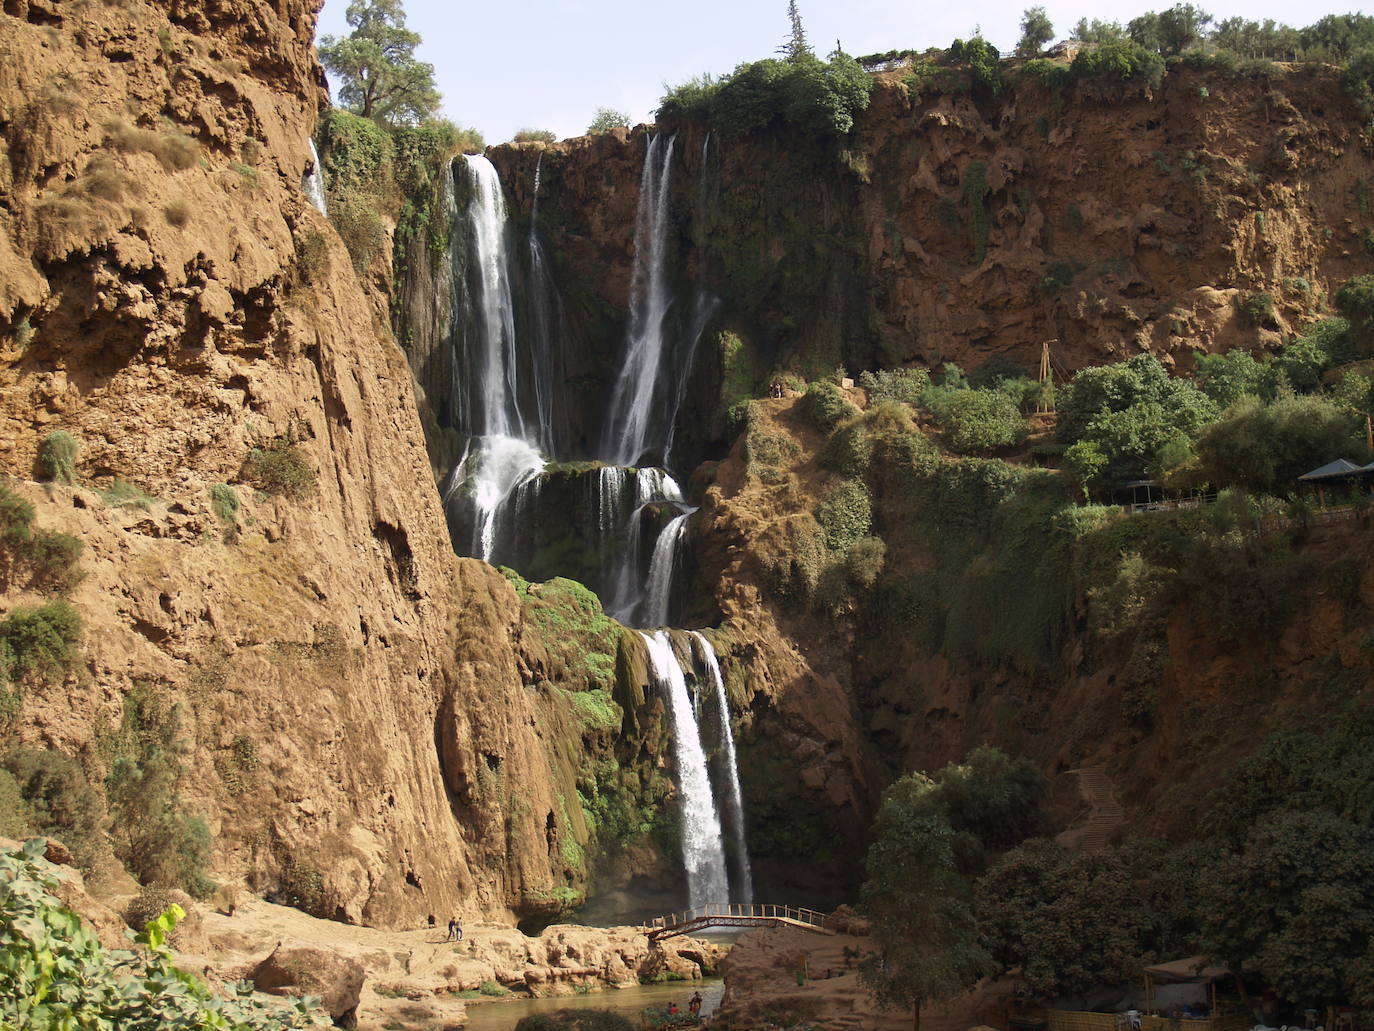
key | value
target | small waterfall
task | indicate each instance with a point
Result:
(658, 594)
(490, 471)
(734, 800)
(703, 852)
(546, 324)
(622, 495)
(629, 419)
(313, 184)
(495, 406)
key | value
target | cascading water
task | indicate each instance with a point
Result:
(734, 800)
(507, 399)
(703, 850)
(313, 185)
(658, 594)
(629, 420)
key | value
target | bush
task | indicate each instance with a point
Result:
(57, 457)
(280, 467)
(535, 136)
(606, 119)
(57, 974)
(53, 557)
(14, 815)
(1225, 378)
(900, 386)
(224, 502)
(43, 640)
(16, 519)
(826, 406)
(493, 988)
(122, 494)
(312, 256)
(1266, 447)
(1256, 309)
(977, 420)
(864, 562)
(1117, 63)
(159, 843)
(845, 514)
(58, 799)
(1355, 301)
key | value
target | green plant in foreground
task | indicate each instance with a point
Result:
(54, 973)
(280, 467)
(224, 502)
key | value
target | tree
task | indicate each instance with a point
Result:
(1036, 31)
(1096, 31)
(535, 136)
(379, 75)
(920, 908)
(796, 49)
(606, 119)
(1356, 302)
(1266, 447)
(1070, 920)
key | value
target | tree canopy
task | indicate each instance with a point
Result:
(606, 119)
(380, 78)
(1036, 31)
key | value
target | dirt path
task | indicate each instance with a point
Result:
(1094, 831)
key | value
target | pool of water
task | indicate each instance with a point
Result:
(504, 1015)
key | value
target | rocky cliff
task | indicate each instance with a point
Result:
(361, 709)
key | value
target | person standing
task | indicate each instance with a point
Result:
(458, 928)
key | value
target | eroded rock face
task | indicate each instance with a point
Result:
(353, 701)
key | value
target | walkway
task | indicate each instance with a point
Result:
(734, 914)
(1094, 832)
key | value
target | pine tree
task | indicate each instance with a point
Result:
(796, 48)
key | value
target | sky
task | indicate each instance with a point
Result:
(506, 65)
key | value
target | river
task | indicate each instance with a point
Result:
(628, 1002)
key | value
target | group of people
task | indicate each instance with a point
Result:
(693, 1007)
(775, 389)
(455, 930)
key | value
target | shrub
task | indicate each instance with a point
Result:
(864, 562)
(159, 843)
(1116, 63)
(177, 212)
(14, 815)
(977, 420)
(53, 558)
(57, 457)
(493, 988)
(42, 639)
(535, 136)
(224, 502)
(606, 119)
(1256, 309)
(1265, 447)
(826, 406)
(902, 386)
(845, 514)
(280, 467)
(1225, 378)
(58, 799)
(122, 494)
(174, 150)
(16, 517)
(1355, 301)
(57, 974)
(312, 256)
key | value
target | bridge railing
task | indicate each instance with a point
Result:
(739, 911)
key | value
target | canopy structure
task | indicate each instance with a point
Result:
(1192, 970)
(1337, 470)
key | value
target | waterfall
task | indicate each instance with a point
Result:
(622, 495)
(546, 323)
(489, 472)
(734, 800)
(313, 184)
(658, 594)
(703, 852)
(629, 418)
(496, 405)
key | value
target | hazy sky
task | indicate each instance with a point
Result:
(503, 65)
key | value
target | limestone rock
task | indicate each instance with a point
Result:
(299, 968)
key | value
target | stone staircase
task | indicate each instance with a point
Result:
(1093, 833)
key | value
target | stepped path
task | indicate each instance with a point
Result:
(1093, 833)
(735, 914)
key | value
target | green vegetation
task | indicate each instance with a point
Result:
(224, 502)
(825, 405)
(55, 973)
(930, 837)
(123, 494)
(157, 840)
(606, 119)
(56, 799)
(379, 75)
(57, 457)
(800, 92)
(48, 557)
(280, 467)
(535, 136)
(580, 638)
(1036, 31)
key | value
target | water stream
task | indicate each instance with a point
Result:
(313, 184)
(703, 849)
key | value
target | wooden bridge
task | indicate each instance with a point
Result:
(734, 914)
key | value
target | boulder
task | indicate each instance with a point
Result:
(298, 968)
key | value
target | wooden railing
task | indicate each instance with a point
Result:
(735, 914)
